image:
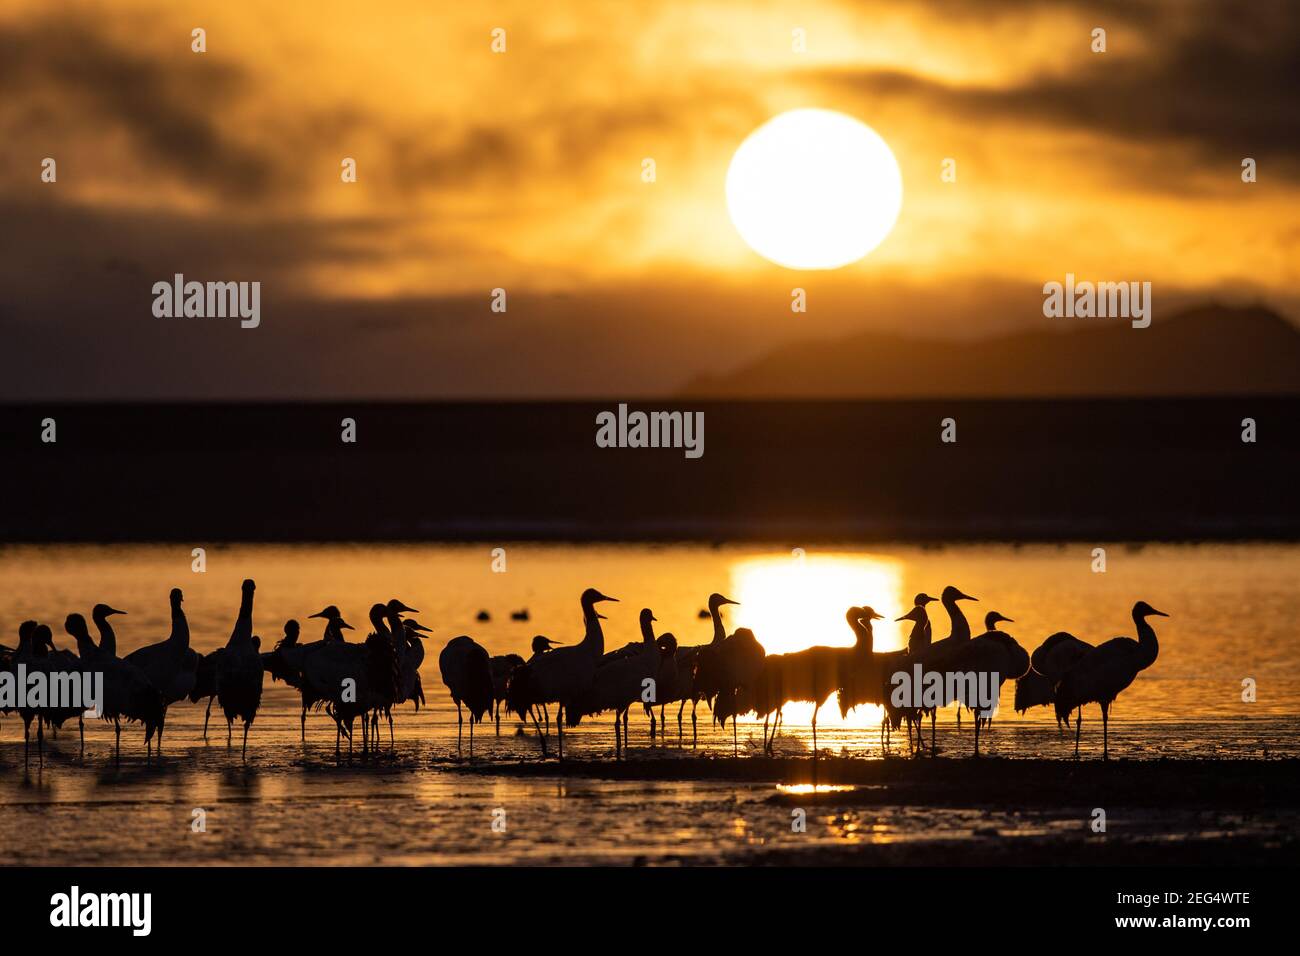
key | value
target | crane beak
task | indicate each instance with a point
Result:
(403, 609)
(318, 614)
(1009, 620)
(876, 617)
(965, 597)
(113, 610)
(1159, 613)
(343, 625)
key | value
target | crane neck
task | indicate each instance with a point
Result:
(107, 638)
(243, 632)
(647, 631)
(960, 626)
(719, 631)
(920, 636)
(1148, 646)
(593, 637)
(86, 648)
(863, 638)
(180, 634)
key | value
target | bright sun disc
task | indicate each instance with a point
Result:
(814, 189)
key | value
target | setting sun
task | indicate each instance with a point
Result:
(814, 189)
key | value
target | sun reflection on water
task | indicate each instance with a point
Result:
(798, 600)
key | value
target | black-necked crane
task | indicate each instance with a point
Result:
(562, 675)
(407, 675)
(739, 660)
(921, 636)
(981, 666)
(128, 695)
(622, 678)
(686, 685)
(1100, 675)
(502, 666)
(864, 674)
(1047, 665)
(239, 670)
(36, 654)
(466, 669)
(170, 664)
(351, 680)
(334, 624)
(409, 686)
(959, 632)
(807, 676)
(284, 663)
(896, 661)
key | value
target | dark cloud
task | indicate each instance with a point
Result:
(73, 79)
(1216, 77)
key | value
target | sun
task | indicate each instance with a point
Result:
(814, 189)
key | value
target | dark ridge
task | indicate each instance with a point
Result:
(1207, 351)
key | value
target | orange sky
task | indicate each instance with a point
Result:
(522, 169)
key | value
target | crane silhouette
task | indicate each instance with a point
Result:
(739, 662)
(128, 695)
(959, 632)
(562, 675)
(1047, 665)
(466, 669)
(987, 661)
(700, 664)
(620, 681)
(170, 664)
(239, 670)
(1100, 675)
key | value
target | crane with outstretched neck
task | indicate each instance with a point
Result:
(1100, 675)
(563, 675)
(170, 664)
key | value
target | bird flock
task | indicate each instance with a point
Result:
(732, 674)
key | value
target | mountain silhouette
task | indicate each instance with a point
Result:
(1207, 350)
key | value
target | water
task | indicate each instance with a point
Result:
(1233, 610)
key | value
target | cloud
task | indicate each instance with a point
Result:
(1220, 82)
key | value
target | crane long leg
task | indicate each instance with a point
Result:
(977, 733)
(679, 721)
(206, 715)
(816, 708)
(559, 727)
(1105, 721)
(471, 733)
(302, 722)
(244, 749)
(618, 722)
(694, 725)
(498, 718)
(460, 724)
(81, 730)
(1078, 723)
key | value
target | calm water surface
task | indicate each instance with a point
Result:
(1233, 616)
